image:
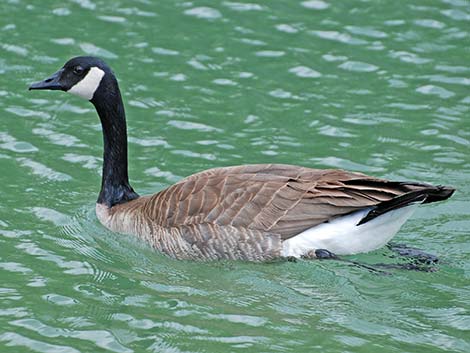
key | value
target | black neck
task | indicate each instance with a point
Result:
(115, 187)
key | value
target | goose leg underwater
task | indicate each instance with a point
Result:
(415, 260)
(249, 212)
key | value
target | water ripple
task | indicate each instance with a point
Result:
(92, 49)
(17, 340)
(358, 66)
(206, 13)
(315, 4)
(43, 171)
(436, 91)
(12, 144)
(100, 338)
(379, 88)
(238, 6)
(304, 71)
(366, 31)
(188, 125)
(339, 37)
(112, 19)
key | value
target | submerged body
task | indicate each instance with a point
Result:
(250, 212)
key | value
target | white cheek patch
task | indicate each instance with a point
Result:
(89, 84)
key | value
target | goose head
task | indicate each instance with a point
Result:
(84, 76)
(92, 79)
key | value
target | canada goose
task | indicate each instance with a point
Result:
(250, 212)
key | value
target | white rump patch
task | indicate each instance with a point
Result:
(342, 236)
(87, 86)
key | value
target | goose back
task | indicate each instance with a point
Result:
(283, 199)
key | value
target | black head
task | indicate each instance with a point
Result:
(81, 76)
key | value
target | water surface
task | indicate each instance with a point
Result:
(375, 87)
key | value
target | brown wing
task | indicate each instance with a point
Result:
(279, 199)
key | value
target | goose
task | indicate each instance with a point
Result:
(257, 212)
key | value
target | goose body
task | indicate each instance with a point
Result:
(249, 212)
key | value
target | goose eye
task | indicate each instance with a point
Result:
(78, 70)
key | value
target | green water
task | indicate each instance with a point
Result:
(380, 87)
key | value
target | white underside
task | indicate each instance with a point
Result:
(342, 236)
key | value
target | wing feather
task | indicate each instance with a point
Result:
(274, 198)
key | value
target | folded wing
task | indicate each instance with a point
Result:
(277, 199)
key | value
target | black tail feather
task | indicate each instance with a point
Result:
(422, 193)
(439, 193)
